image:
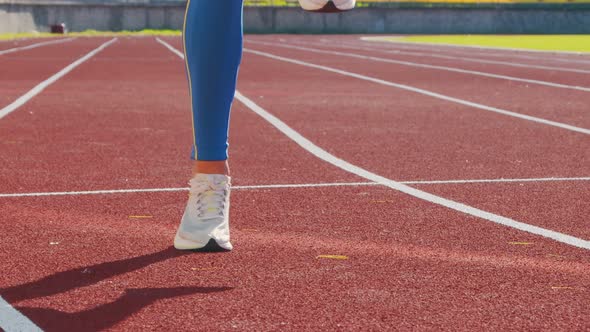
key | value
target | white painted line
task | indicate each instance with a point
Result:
(340, 163)
(425, 92)
(430, 53)
(285, 186)
(28, 47)
(153, 190)
(305, 185)
(487, 53)
(41, 86)
(457, 54)
(11, 320)
(168, 46)
(497, 180)
(395, 47)
(382, 39)
(495, 62)
(425, 51)
(422, 65)
(91, 192)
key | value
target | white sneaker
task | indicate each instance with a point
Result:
(205, 222)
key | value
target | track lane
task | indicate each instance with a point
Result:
(20, 42)
(39, 88)
(453, 61)
(117, 264)
(561, 207)
(63, 126)
(396, 276)
(36, 44)
(11, 43)
(560, 105)
(548, 58)
(518, 58)
(21, 71)
(571, 226)
(420, 136)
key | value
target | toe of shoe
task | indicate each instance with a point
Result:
(182, 243)
(185, 244)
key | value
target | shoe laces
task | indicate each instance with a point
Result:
(210, 198)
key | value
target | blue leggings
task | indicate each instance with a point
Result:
(213, 51)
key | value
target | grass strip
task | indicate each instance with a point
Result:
(91, 33)
(559, 43)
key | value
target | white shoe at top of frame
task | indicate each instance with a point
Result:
(205, 223)
(327, 6)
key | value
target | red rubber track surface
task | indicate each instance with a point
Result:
(555, 59)
(562, 105)
(23, 70)
(121, 121)
(14, 43)
(432, 56)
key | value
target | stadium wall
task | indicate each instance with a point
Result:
(26, 16)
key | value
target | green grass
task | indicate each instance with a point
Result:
(91, 33)
(569, 43)
(9, 36)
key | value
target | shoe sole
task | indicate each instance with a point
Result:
(211, 246)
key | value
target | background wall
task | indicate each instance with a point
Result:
(26, 16)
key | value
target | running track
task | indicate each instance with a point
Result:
(338, 252)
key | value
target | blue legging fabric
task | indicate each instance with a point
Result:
(213, 51)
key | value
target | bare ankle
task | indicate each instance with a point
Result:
(211, 167)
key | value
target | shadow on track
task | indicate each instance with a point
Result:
(69, 280)
(106, 315)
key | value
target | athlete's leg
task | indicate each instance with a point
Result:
(213, 49)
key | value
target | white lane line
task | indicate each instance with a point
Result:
(421, 52)
(423, 65)
(385, 46)
(93, 192)
(428, 51)
(496, 62)
(446, 53)
(425, 92)
(41, 86)
(11, 320)
(547, 57)
(287, 186)
(168, 46)
(340, 163)
(305, 185)
(153, 190)
(28, 47)
(479, 60)
(497, 180)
